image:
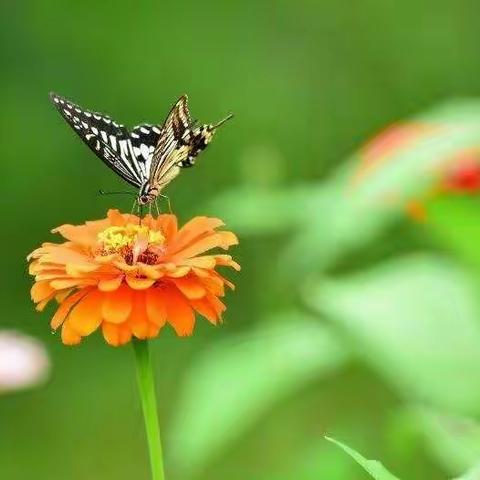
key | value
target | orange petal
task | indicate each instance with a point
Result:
(81, 234)
(177, 272)
(73, 282)
(40, 306)
(86, 316)
(204, 308)
(155, 306)
(65, 307)
(40, 291)
(218, 305)
(179, 313)
(167, 224)
(138, 319)
(62, 254)
(221, 239)
(62, 295)
(51, 275)
(117, 304)
(139, 283)
(149, 271)
(193, 229)
(211, 282)
(152, 330)
(69, 335)
(116, 218)
(77, 270)
(227, 261)
(206, 261)
(190, 286)
(110, 284)
(116, 335)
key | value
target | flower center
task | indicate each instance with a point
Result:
(136, 243)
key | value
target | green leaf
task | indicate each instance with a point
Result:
(233, 383)
(473, 474)
(415, 321)
(454, 221)
(453, 439)
(406, 172)
(263, 211)
(373, 467)
(358, 211)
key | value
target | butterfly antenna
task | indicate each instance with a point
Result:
(221, 122)
(103, 192)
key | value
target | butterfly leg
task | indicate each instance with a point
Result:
(133, 206)
(141, 214)
(168, 201)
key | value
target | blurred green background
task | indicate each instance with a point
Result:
(349, 319)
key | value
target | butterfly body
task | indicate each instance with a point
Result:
(150, 156)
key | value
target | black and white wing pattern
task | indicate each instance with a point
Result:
(129, 154)
(172, 147)
(144, 138)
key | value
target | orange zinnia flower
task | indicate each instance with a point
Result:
(131, 276)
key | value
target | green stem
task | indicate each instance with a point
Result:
(146, 387)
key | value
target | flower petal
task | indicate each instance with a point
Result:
(205, 261)
(86, 316)
(205, 308)
(40, 306)
(220, 239)
(83, 235)
(79, 269)
(117, 304)
(149, 271)
(155, 306)
(116, 335)
(139, 283)
(138, 319)
(64, 309)
(41, 290)
(176, 272)
(116, 218)
(69, 335)
(190, 286)
(110, 284)
(179, 313)
(192, 230)
(217, 304)
(167, 224)
(73, 282)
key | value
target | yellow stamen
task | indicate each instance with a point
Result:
(114, 239)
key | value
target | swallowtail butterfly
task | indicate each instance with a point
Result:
(148, 157)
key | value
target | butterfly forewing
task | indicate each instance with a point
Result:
(109, 140)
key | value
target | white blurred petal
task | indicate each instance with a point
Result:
(23, 361)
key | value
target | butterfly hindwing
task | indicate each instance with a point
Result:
(144, 139)
(172, 147)
(109, 140)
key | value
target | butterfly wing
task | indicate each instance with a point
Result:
(110, 141)
(144, 138)
(172, 147)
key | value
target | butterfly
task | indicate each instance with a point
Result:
(148, 157)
